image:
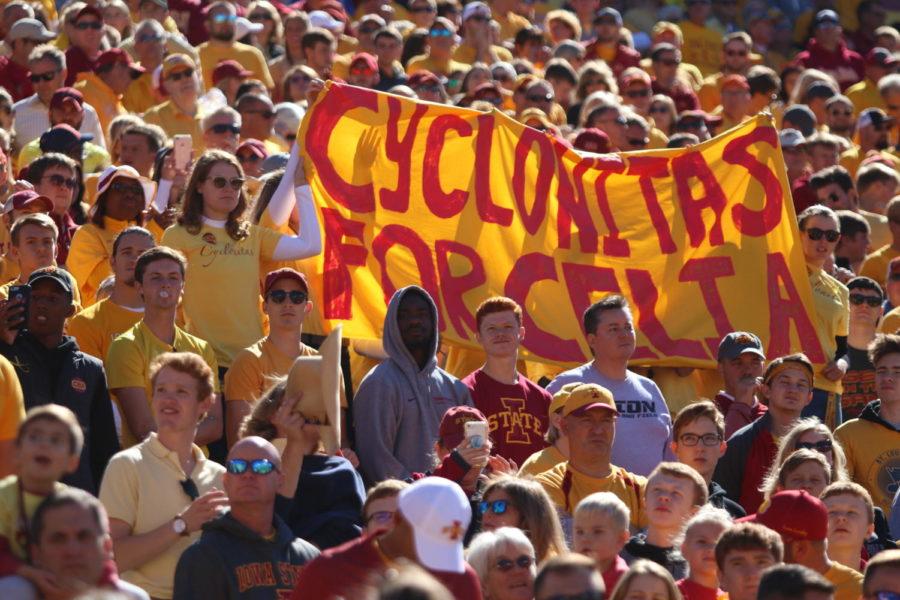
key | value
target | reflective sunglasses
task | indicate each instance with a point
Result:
(296, 296)
(126, 188)
(224, 18)
(692, 439)
(85, 25)
(821, 446)
(381, 517)
(440, 33)
(816, 234)
(221, 128)
(361, 71)
(182, 74)
(260, 466)
(189, 488)
(235, 182)
(498, 507)
(38, 77)
(860, 299)
(60, 181)
(523, 562)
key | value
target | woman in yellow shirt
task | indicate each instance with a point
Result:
(122, 197)
(224, 250)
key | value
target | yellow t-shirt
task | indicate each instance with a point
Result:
(466, 54)
(140, 95)
(510, 24)
(865, 95)
(540, 461)
(702, 47)
(94, 158)
(12, 408)
(256, 369)
(890, 323)
(710, 94)
(876, 264)
(831, 299)
(174, 122)
(129, 356)
(873, 455)
(141, 486)
(89, 255)
(880, 232)
(105, 101)
(847, 582)
(212, 53)
(424, 62)
(9, 512)
(220, 267)
(98, 325)
(627, 486)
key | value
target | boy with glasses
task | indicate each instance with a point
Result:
(381, 504)
(866, 302)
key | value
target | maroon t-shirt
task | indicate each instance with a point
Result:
(15, 79)
(517, 414)
(348, 570)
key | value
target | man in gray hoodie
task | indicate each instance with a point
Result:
(398, 408)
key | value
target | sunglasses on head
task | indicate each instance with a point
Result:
(183, 74)
(235, 182)
(85, 25)
(860, 299)
(38, 77)
(296, 296)
(260, 466)
(221, 128)
(816, 234)
(498, 507)
(60, 181)
(820, 446)
(523, 562)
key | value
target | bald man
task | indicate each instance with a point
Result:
(248, 552)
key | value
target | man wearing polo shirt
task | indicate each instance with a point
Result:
(159, 493)
(103, 88)
(159, 280)
(23, 36)
(428, 528)
(220, 19)
(589, 420)
(741, 361)
(178, 114)
(85, 29)
(802, 522)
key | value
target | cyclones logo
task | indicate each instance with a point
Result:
(885, 471)
(210, 238)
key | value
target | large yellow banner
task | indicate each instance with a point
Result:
(469, 204)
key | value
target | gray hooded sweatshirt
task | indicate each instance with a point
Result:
(398, 408)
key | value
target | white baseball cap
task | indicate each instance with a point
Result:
(320, 18)
(439, 513)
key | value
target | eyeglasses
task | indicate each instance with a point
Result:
(422, 9)
(523, 562)
(381, 517)
(860, 299)
(539, 98)
(736, 53)
(260, 466)
(638, 93)
(60, 181)
(221, 128)
(183, 74)
(822, 446)
(127, 188)
(692, 439)
(498, 507)
(440, 33)
(816, 234)
(235, 182)
(148, 37)
(669, 62)
(296, 296)
(252, 158)
(260, 17)
(224, 18)
(38, 77)
(85, 25)
(265, 113)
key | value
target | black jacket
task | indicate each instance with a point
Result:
(719, 499)
(67, 376)
(670, 558)
(231, 562)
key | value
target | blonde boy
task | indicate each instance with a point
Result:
(851, 517)
(48, 446)
(599, 531)
(698, 547)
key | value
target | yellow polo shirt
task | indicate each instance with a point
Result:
(105, 101)
(865, 95)
(466, 54)
(142, 487)
(12, 409)
(847, 582)
(876, 264)
(702, 47)
(140, 95)
(627, 486)
(831, 300)
(129, 356)
(213, 52)
(98, 325)
(424, 62)
(219, 265)
(175, 122)
(540, 461)
(9, 511)
(89, 255)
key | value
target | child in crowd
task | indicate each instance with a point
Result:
(646, 579)
(381, 505)
(600, 531)
(701, 533)
(851, 516)
(48, 446)
(743, 552)
(802, 470)
(674, 493)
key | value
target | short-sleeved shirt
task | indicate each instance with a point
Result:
(98, 325)
(10, 521)
(847, 582)
(142, 488)
(129, 357)
(257, 368)
(567, 487)
(542, 461)
(876, 264)
(831, 300)
(221, 290)
(174, 122)
(12, 406)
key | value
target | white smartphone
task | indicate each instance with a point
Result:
(182, 145)
(476, 432)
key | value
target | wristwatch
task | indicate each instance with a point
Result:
(179, 526)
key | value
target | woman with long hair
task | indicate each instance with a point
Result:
(294, 26)
(270, 39)
(225, 251)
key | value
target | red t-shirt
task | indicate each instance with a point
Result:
(691, 590)
(612, 575)
(517, 414)
(15, 79)
(346, 571)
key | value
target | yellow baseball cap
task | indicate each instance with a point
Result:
(588, 396)
(560, 397)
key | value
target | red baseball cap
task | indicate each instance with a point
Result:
(364, 57)
(592, 140)
(734, 80)
(116, 55)
(254, 146)
(453, 424)
(794, 515)
(422, 77)
(67, 94)
(27, 199)
(229, 68)
(286, 273)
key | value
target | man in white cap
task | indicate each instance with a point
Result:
(22, 38)
(428, 529)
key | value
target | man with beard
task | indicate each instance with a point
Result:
(97, 326)
(399, 405)
(220, 19)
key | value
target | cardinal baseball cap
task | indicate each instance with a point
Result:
(453, 424)
(286, 273)
(794, 515)
(439, 514)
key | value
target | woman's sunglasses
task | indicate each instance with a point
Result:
(523, 562)
(816, 234)
(236, 183)
(498, 507)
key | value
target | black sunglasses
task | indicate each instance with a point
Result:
(260, 466)
(235, 182)
(296, 296)
(126, 188)
(860, 299)
(221, 128)
(85, 25)
(523, 562)
(816, 234)
(38, 77)
(251, 158)
(190, 488)
(821, 446)
(184, 73)
(60, 181)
